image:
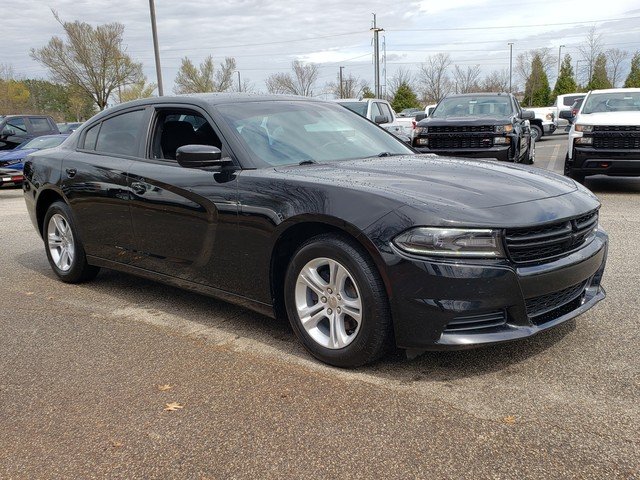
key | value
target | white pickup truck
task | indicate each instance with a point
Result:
(548, 118)
(378, 111)
(409, 122)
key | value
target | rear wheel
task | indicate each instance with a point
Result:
(536, 133)
(336, 302)
(65, 251)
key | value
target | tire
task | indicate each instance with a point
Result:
(60, 235)
(310, 288)
(530, 154)
(536, 133)
(578, 177)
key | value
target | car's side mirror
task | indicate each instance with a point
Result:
(381, 119)
(420, 116)
(198, 156)
(566, 114)
(527, 115)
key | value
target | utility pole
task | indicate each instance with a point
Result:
(510, 65)
(239, 84)
(341, 91)
(154, 32)
(376, 57)
(384, 65)
(559, 60)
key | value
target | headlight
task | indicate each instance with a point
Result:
(549, 116)
(584, 128)
(504, 128)
(451, 242)
(419, 130)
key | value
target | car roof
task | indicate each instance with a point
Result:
(616, 90)
(482, 94)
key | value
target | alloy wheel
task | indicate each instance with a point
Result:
(61, 242)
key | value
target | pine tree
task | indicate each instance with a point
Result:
(633, 80)
(537, 90)
(566, 82)
(404, 98)
(599, 79)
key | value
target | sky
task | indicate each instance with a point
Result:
(266, 36)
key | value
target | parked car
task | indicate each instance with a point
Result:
(477, 125)
(377, 110)
(295, 207)
(10, 177)
(14, 158)
(563, 103)
(68, 127)
(17, 129)
(409, 112)
(605, 136)
(543, 123)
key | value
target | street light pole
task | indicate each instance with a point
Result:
(154, 32)
(376, 54)
(239, 84)
(510, 65)
(341, 91)
(559, 60)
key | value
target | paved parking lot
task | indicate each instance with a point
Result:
(86, 371)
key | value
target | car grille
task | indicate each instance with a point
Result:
(465, 129)
(553, 305)
(537, 244)
(470, 141)
(626, 142)
(477, 322)
(616, 128)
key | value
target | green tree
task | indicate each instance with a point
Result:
(537, 90)
(142, 89)
(566, 82)
(405, 97)
(633, 80)
(59, 101)
(599, 79)
(367, 93)
(14, 96)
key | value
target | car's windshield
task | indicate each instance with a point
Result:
(288, 133)
(612, 102)
(40, 143)
(473, 106)
(359, 107)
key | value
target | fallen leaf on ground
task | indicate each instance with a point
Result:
(510, 419)
(165, 387)
(28, 293)
(170, 407)
(116, 444)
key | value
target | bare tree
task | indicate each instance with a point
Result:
(590, 50)
(300, 81)
(206, 78)
(402, 76)
(496, 81)
(615, 59)
(352, 86)
(466, 80)
(91, 59)
(434, 79)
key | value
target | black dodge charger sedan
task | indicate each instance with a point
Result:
(298, 207)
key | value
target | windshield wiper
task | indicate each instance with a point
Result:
(387, 154)
(307, 162)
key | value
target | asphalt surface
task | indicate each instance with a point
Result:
(81, 367)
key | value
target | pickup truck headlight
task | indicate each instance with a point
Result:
(451, 242)
(420, 130)
(504, 128)
(584, 128)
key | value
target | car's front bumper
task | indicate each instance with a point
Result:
(591, 161)
(451, 305)
(499, 153)
(549, 128)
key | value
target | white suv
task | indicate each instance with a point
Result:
(605, 137)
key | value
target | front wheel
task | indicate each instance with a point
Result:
(65, 251)
(336, 302)
(536, 133)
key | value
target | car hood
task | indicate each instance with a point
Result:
(16, 154)
(433, 181)
(609, 118)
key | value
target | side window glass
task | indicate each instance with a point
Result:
(175, 129)
(90, 138)
(119, 134)
(386, 111)
(375, 110)
(40, 125)
(15, 127)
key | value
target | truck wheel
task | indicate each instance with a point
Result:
(536, 133)
(530, 155)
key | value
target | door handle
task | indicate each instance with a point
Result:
(71, 172)
(138, 187)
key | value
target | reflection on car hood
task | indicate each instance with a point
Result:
(464, 121)
(432, 180)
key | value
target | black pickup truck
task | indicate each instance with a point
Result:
(477, 125)
(16, 129)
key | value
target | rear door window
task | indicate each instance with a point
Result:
(120, 135)
(89, 142)
(40, 125)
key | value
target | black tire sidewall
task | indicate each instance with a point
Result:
(374, 330)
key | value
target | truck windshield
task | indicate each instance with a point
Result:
(472, 106)
(612, 102)
(359, 107)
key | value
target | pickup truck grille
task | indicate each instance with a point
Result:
(461, 129)
(616, 128)
(626, 142)
(466, 141)
(538, 244)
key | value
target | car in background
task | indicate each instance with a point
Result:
(10, 177)
(605, 136)
(377, 110)
(295, 207)
(14, 158)
(409, 112)
(17, 129)
(575, 108)
(477, 125)
(68, 127)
